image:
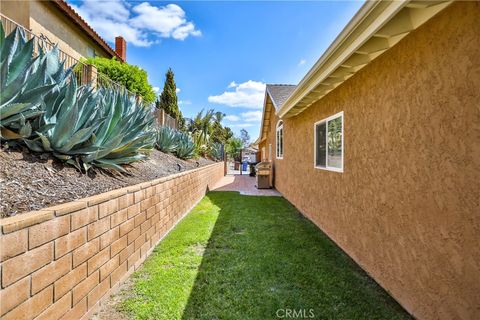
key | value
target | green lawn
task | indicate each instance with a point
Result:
(246, 257)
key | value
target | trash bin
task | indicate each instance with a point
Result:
(253, 172)
(244, 166)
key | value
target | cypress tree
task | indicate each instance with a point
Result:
(168, 98)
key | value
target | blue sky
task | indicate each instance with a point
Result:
(222, 53)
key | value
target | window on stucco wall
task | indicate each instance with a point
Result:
(328, 140)
(279, 140)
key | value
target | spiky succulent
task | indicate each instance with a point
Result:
(67, 125)
(216, 151)
(42, 106)
(127, 133)
(166, 139)
(24, 81)
(185, 146)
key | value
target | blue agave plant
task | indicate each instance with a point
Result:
(42, 106)
(166, 139)
(24, 81)
(185, 146)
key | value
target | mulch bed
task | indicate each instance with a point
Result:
(34, 181)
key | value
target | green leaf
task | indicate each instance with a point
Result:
(45, 143)
(20, 62)
(33, 145)
(26, 130)
(14, 108)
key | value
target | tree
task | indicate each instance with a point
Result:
(130, 76)
(220, 134)
(201, 127)
(245, 137)
(168, 100)
(233, 148)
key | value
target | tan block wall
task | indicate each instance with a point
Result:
(58, 263)
(407, 206)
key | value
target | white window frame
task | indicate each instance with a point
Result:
(326, 120)
(279, 127)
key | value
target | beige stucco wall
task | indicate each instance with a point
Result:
(407, 206)
(43, 18)
(19, 11)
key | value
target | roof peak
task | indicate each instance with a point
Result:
(281, 84)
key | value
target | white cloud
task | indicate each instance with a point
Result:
(177, 90)
(168, 21)
(185, 30)
(252, 116)
(141, 25)
(184, 102)
(302, 62)
(156, 89)
(232, 84)
(248, 94)
(232, 117)
(241, 125)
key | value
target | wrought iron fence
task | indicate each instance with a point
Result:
(85, 74)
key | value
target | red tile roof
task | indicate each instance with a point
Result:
(78, 20)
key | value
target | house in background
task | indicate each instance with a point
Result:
(58, 23)
(379, 146)
(249, 154)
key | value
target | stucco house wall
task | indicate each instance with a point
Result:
(43, 18)
(406, 207)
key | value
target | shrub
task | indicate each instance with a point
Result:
(132, 77)
(166, 139)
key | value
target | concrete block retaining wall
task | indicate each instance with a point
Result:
(59, 262)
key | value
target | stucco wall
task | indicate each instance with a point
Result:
(43, 18)
(58, 263)
(49, 21)
(17, 10)
(406, 207)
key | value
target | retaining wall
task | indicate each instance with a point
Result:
(59, 262)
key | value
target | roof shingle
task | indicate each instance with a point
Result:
(279, 93)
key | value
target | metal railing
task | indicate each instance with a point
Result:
(85, 73)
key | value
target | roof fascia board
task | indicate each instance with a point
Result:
(313, 77)
(263, 115)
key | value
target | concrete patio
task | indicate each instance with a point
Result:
(243, 184)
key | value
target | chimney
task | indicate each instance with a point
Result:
(121, 48)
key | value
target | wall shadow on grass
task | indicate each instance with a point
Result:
(263, 258)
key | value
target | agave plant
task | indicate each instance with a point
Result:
(42, 105)
(166, 139)
(68, 123)
(126, 134)
(216, 151)
(185, 146)
(24, 81)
